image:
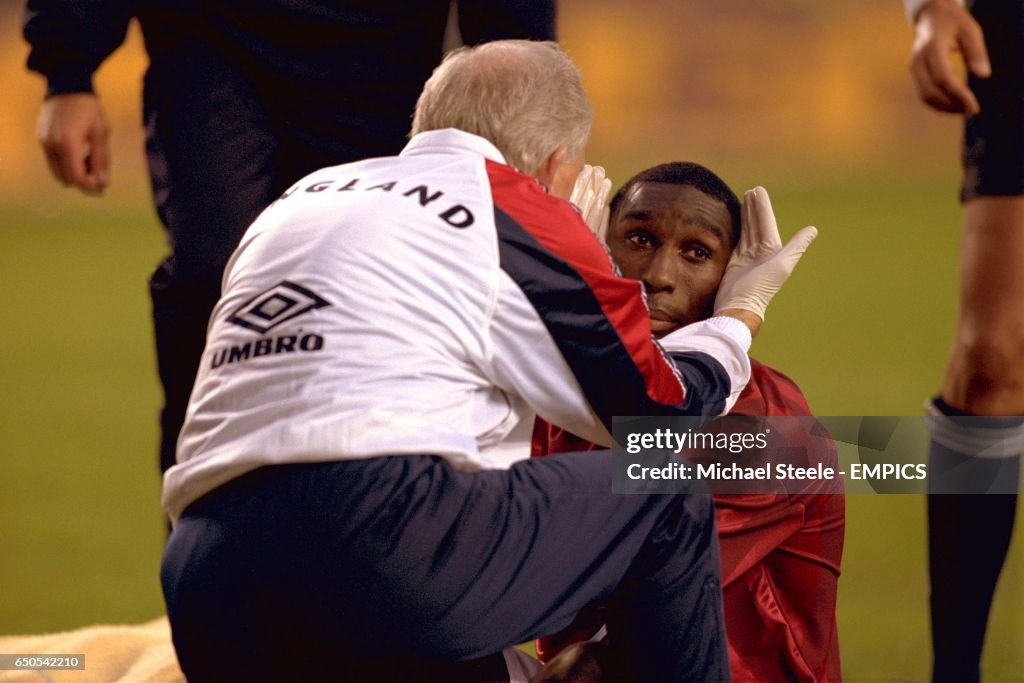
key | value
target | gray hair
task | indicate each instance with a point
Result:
(524, 96)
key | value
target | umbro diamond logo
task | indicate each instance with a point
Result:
(276, 306)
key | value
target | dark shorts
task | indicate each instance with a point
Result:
(993, 151)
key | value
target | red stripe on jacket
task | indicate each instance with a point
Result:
(558, 227)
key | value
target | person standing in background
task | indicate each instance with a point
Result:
(969, 534)
(241, 99)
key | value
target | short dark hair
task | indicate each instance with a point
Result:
(693, 175)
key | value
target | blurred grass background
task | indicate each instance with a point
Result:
(809, 99)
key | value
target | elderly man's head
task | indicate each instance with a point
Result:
(674, 227)
(525, 97)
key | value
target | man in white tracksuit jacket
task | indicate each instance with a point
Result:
(384, 325)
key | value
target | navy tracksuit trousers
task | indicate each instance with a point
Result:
(402, 568)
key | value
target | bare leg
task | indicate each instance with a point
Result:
(986, 369)
(969, 534)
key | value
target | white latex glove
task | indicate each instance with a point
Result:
(589, 194)
(760, 264)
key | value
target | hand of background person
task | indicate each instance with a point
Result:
(75, 139)
(760, 264)
(944, 27)
(590, 195)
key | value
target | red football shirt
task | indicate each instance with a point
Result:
(780, 557)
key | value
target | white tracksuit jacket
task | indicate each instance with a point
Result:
(427, 304)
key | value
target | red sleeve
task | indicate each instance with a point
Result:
(769, 392)
(780, 559)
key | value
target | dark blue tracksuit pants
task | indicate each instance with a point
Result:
(396, 568)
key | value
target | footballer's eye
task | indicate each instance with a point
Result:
(640, 238)
(698, 253)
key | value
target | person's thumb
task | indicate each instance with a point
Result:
(98, 166)
(798, 244)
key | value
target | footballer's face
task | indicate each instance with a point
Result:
(678, 241)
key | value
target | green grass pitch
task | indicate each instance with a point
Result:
(864, 327)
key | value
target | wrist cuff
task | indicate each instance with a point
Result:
(68, 83)
(734, 328)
